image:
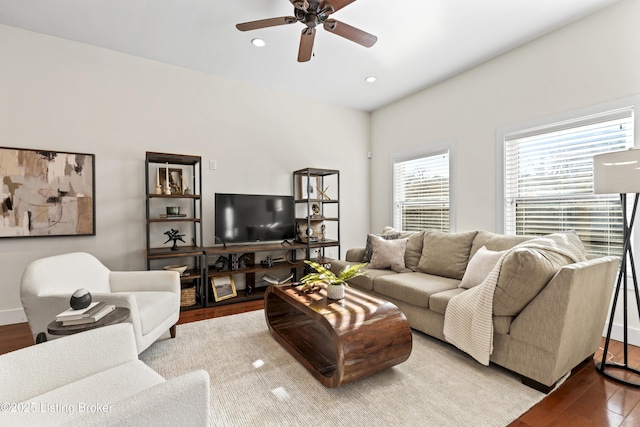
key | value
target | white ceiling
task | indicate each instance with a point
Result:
(419, 42)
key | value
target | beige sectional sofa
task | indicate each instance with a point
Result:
(548, 312)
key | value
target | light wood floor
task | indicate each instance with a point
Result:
(585, 399)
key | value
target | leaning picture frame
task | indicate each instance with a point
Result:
(175, 179)
(308, 187)
(223, 288)
(45, 193)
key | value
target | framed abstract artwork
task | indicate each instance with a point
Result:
(46, 193)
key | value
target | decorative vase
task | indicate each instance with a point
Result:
(335, 292)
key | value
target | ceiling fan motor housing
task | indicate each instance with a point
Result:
(314, 14)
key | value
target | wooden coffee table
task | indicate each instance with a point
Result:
(338, 341)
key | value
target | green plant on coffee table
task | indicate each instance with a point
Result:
(324, 275)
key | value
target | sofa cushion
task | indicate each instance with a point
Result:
(496, 242)
(413, 288)
(363, 282)
(480, 240)
(368, 249)
(502, 324)
(500, 242)
(438, 303)
(413, 252)
(446, 254)
(479, 267)
(524, 273)
(354, 254)
(387, 254)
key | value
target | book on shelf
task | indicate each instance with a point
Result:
(277, 280)
(173, 216)
(71, 314)
(106, 309)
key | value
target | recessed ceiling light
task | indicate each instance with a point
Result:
(258, 42)
(370, 79)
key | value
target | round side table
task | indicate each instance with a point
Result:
(119, 315)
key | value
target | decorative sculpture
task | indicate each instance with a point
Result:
(175, 236)
(222, 263)
(323, 193)
(80, 299)
(244, 260)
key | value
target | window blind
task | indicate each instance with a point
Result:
(549, 180)
(421, 193)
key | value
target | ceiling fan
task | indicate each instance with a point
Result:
(313, 13)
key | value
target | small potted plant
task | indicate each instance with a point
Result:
(335, 284)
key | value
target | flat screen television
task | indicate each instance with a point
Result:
(244, 218)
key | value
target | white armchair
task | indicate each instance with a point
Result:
(153, 297)
(96, 379)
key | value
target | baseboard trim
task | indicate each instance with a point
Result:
(617, 333)
(10, 317)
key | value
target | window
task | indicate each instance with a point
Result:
(549, 180)
(421, 193)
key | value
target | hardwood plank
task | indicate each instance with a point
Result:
(556, 403)
(605, 419)
(219, 311)
(15, 337)
(592, 403)
(623, 401)
(633, 419)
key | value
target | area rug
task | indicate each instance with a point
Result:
(255, 382)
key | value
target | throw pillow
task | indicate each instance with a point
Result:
(479, 267)
(524, 273)
(446, 254)
(366, 257)
(414, 249)
(388, 254)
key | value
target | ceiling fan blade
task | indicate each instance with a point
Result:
(306, 44)
(339, 4)
(264, 23)
(350, 33)
(300, 4)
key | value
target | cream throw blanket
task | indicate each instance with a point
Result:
(468, 322)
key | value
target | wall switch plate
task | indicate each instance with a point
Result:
(213, 165)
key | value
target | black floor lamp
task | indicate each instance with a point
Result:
(619, 172)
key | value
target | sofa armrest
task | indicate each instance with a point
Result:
(139, 281)
(566, 318)
(182, 400)
(34, 370)
(354, 255)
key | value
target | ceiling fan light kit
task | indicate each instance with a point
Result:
(311, 14)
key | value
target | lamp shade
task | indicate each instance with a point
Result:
(617, 172)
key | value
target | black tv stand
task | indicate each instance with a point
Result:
(252, 268)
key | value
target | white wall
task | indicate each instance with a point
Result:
(590, 62)
(61, 95)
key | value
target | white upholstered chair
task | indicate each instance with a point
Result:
(97, 369)
(153, 297)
